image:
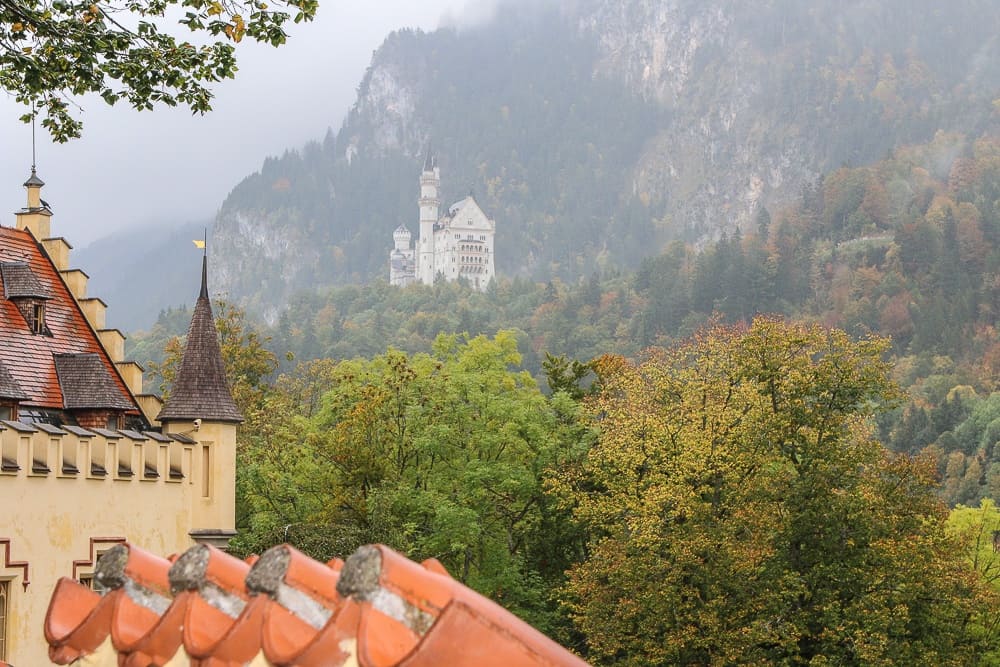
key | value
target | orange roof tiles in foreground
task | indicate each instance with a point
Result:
(209, 609)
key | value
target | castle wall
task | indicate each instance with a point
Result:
(67, 498)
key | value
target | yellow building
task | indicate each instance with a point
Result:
(88, 460)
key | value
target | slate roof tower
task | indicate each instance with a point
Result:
(201, 406)
(200, 390)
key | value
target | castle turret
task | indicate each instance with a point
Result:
(401, 238)
(402, 271)
(201, 406)
(430, 182)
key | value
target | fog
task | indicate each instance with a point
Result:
(167, 167)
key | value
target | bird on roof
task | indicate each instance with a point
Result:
(45, 204)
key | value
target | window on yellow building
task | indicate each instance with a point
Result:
(4, 606)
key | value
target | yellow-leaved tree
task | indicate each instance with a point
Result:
(740, 511)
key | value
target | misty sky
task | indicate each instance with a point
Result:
(167, 166)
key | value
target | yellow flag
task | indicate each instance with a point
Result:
(199, 244)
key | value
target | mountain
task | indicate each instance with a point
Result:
(597, 131)
(160, 267)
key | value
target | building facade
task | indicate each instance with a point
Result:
(88, 460)
(458, 244)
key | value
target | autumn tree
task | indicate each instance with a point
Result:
(143, 52)
(740, 511)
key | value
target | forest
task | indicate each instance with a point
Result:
(779, 447)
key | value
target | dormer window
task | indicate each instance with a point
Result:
(26, 291)
(10, 395)
(38, 318)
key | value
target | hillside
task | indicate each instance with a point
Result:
(907, 248)
(596, 132)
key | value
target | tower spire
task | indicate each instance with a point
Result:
(200, 390)
(204, 278)
(430, 161)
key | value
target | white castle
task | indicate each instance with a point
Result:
(456, 245)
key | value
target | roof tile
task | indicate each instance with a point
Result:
(86, 383)
(27, 356)
(20, 282)
(9, 388)
(378, 609)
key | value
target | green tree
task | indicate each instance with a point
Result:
(740, 511)
(564, 374)
(978, 529)
(51, 52)
(441, 455)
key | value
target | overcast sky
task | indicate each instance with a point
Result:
(167, 166)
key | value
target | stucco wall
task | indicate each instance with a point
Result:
(52, 519)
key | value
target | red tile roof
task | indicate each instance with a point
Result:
(207, 608)
(28, 357)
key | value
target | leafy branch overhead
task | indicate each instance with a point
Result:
(52, 51)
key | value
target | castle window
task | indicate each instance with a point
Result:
(4, 604)
(206, 471)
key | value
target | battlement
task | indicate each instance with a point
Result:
(119, 457)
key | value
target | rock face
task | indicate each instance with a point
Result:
(596, 130)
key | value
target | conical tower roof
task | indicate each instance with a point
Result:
(200, 390)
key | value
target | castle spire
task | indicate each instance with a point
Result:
(200, 390)
(430, 161)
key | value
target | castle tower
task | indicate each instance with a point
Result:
(201, 406)
(401, 263)
(430, 182)
(401, 238)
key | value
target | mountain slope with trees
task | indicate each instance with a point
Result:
(596, 132)
(908, 247)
